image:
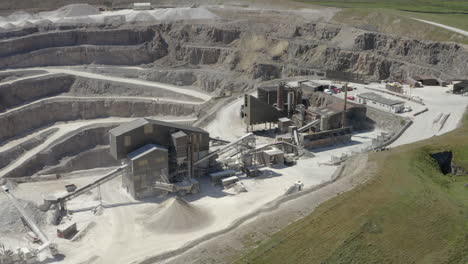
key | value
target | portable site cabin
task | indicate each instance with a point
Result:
(380, 102)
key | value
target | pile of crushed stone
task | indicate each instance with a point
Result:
(74, 10)
(140, 17)
(171, 14)
(10, 217)
(20, 15)
(69, 11)
(183, 13)
(177, 215)
(87, 14)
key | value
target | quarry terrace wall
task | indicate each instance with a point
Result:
(29, 90)
(98, 157)
(8, 156)
(258, 50)
(70, 145)
(45, 113)
(23, 91)
(92, 87)
(120, 37)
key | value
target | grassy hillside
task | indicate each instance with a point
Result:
(408, 213)
(401, 23)
(413, 5)
(395, 16)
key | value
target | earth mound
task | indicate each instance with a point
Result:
(177, 215)
(74, 11)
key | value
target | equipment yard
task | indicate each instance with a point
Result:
(139, 135)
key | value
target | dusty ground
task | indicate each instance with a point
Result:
(233, 219)
(226, 248)
(229, 246)
(129, 231)
(226, 208)
(436, 99)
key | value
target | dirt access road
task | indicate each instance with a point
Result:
(460, 31)
(173, 88)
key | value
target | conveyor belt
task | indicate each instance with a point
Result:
(311, 124)
(225, 148)
(109, 176)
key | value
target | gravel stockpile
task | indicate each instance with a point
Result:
(87, 14)
(183, 13)
(43, 22)
(178, 215)
(71, 11)
(20, 15)
(140, 17)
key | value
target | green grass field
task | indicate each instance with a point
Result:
(401, 23)
(413, 5)
(408, 213)
(395, 16)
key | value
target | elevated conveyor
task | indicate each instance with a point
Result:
(309, 125)
(225, 148)
(109, 176)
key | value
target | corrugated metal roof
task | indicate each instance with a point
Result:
(145, 150)
(379, 99)
(268, 88)
(124, 128)
(175, 125)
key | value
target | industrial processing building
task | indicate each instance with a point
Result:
(158, 152)
(331, 116)
(272, 102)
(288, 106)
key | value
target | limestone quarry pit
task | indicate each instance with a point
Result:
(69, 76)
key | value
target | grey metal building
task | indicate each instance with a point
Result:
(326, 138)
(132, 135)
(331, 116)
(273, 102)
(256, 111)
(158, 151)
(147, 165)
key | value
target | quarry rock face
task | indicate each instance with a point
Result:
(67, 109)
(431, 54)
(74, 151)
(23, 91)
(258, 50)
